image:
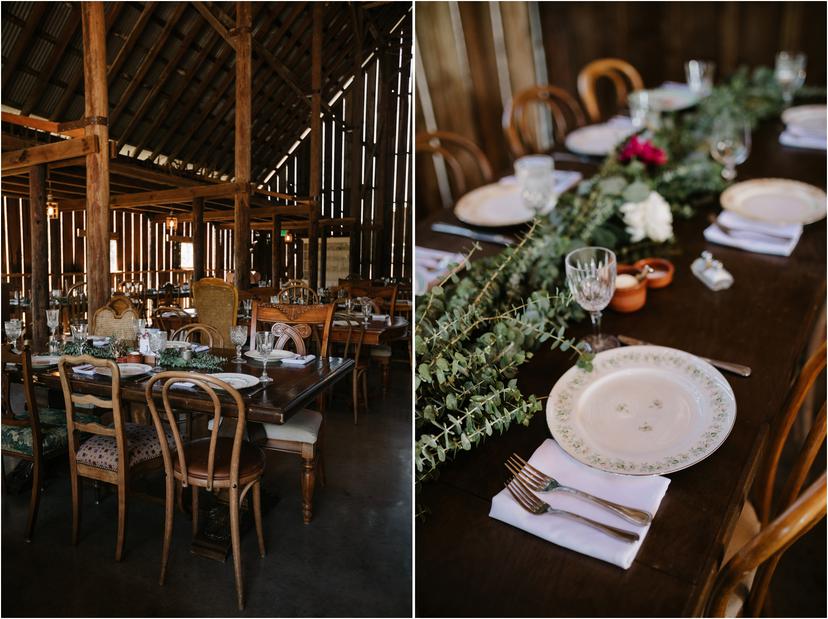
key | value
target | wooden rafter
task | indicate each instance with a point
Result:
(56, 151)
(163, 196)
(23, 41)
(131, 40)
(207, 14)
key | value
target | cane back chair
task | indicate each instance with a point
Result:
(618, 71)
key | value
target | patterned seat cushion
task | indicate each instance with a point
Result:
(102, 451)
(57, 416)
(19, 439)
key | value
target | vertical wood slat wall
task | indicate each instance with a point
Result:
(472, 56)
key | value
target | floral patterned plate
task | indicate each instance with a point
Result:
(643, 410)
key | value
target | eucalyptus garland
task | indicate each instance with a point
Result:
(474, 332)
(85, 348)
(171, 358)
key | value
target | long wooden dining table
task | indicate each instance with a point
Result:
(469, 564)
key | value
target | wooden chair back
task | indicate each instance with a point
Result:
(385, 298)
(522, 133)
(167, 294)
(76, 303)
(208, 384)
(32, 418)
(116, 318)
(766, 547)
(354, 337)
(298, 294)
(296, 335)
(74, 427)
(170, 318)
(618, 71)
(217, 304)
(206, 334)
(314, 316)
(354, 279)
(454, 149)
(137, 291)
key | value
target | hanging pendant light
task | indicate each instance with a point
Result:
(171, 222)
(289, 237)
(52, 208)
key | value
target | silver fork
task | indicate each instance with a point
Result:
(541, 482)
(534, 505)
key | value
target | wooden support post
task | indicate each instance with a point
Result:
(40, 254)
(278, 247)
(96, 110)
(199, 239)
(54, 250)
(315, 145)
(323, 258)
(356, 120)
(244, 63)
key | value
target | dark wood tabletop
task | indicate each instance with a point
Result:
(292, 388)
(471, 565)
(377, 331)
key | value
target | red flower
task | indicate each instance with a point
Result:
(643, 150)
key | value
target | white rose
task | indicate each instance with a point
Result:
(650, 218)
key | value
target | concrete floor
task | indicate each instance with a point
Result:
(354, 559)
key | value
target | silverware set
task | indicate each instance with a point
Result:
(525, 480)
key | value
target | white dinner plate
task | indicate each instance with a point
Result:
(44, 361)
(275, 355)
(237, 381)
(642, 410)
(597, 140)
(495, 205)
(806, 120)
(127, 370)
(667, 99)
(776, 200)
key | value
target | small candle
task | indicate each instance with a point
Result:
(187, 354)
(625, 280)
(656, 274)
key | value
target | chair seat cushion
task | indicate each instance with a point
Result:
(57, 416)
(303, 427)
(251, 459)
(102, 451)
(746, 529)
(381, 351)
(19, 439)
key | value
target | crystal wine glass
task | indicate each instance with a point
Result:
(699, 74)
(157, 342)
(789, 73)
(238, 335)
(247, 305)
(264, 346)
(366, 310)
(52, 321)
(590, 273)
(55, 296)
(730, 144)
(536, 178)
(13, 330)
(80, 331)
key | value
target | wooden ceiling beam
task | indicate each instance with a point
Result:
(33, 22)
(207, 14)
(131, 40)
(56, 151)
(66, 36)
(164, 196)
(72, 88)
(146, 62)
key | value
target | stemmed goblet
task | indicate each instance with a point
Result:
(789, 72)
(238, 335)
(264, 346)
(366, 310)
(52, 321)
(730, 144)
(590, 274)
(157, 342)
(13, 330)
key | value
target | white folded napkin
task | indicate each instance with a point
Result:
(87, 369)
(564, 180)
(183, 385)
(642, 492)
(752, 236)
(379, 316)
(299, 360)
(200, 348)
(792, 138)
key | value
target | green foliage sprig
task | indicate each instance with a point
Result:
(171, 358)
(85, 348)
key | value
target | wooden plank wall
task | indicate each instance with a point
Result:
(473, 55)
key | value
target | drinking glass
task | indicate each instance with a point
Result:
(536, 178)
(644, 113)
(80, 331)
(699, 74)
(730, 144)
(238, 335)
(366, 310)
(13, 330)
(52, 320)
(157, 342)
(264, 346)
(349, 305)
(247, 305)
(790, 73)
(55, 296)
(590, 274)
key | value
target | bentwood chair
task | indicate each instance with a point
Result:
(206, 334)
(76, 304)
(764, 532)
(217, 304)
(213, 463)
(618, 71)
(168, 295)
(519, 124)
(170, 318)
(302, 433)
(137, 292)
(298, 294)
(35, 434)
(353, 349)
(468, 165)
(116, 318)
(114, 454)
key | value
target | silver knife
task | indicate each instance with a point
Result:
(736, 368)
(486, 237)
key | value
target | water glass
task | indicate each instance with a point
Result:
(644, 114)
(790, 73)
(52, 320)
(247, 305)
(590, 274)
(238, 335)
(367, 310)
(730, 144)
(80, 332)
(157, 342)
(536, 178)
(55, 296)
(264, 346)
(13, 330)
(699, 75)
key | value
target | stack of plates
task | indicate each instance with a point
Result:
(805, 127)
